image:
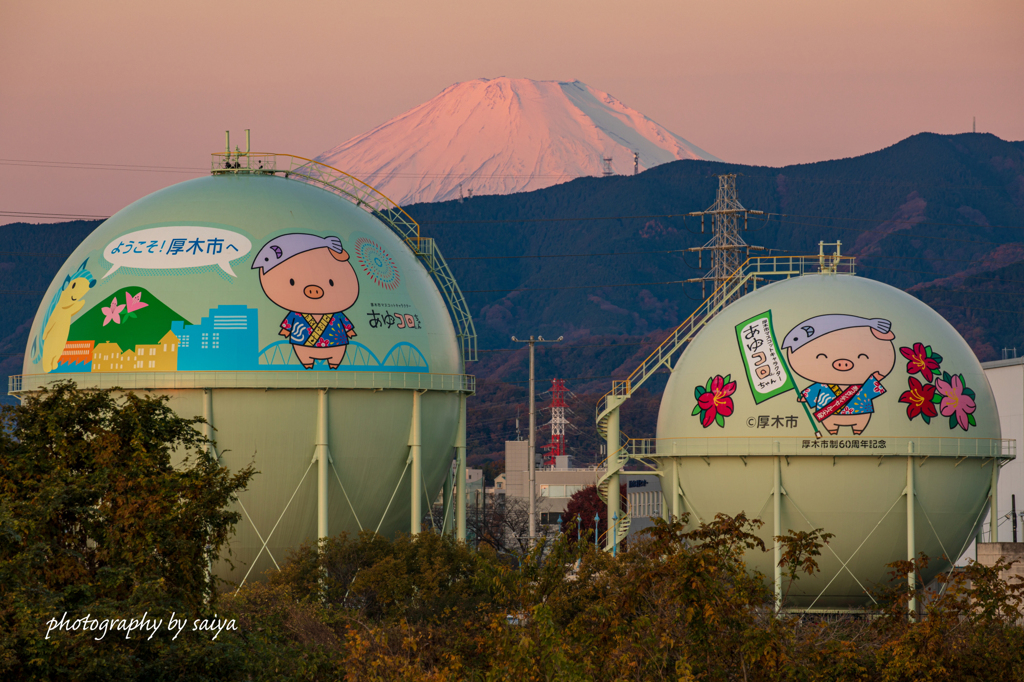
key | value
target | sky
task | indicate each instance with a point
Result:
(88, 86)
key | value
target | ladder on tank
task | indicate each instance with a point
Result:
(752, 272)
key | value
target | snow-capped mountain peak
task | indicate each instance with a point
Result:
(504, 135)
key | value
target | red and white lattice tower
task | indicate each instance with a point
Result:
(558, 421)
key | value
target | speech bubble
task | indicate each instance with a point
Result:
(176, 246)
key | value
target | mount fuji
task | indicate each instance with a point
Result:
(505, 135)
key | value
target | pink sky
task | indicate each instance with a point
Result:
(760, 82)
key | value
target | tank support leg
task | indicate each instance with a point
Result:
(677, 487)
(614, 512)
(993, 514)
(208, 416)
(208, 432)
(322, 455)
(669, 490)
(911, 544)
(460, 473)
(446, 503)
(777, 528)
(416, 479)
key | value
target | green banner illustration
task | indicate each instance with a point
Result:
(767, 372)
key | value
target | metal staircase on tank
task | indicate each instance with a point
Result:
(749, 274)
(376, 204)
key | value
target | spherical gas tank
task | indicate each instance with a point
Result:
(290, 318)
(851, 388)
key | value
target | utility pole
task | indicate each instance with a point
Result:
(728, 250)
(636, 163)
(532, 447)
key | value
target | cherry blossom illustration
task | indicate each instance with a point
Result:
(113, 313)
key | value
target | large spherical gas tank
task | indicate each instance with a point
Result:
(883, 379)
(244, 297)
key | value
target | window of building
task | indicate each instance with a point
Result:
(152, 363)
(184, 342)
(216, 339)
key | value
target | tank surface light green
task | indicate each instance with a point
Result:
(821, 402)
(301, 326)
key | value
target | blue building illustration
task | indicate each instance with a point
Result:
(227, 340)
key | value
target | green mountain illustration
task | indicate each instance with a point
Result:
(127, 329)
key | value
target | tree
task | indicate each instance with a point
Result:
(583, 506)
(502, 523)
(95, 519)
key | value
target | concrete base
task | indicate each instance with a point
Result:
(989, 553)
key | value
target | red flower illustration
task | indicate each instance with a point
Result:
(921, 359)
(919, 400)
(713, 401)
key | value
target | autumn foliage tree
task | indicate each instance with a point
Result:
(583, 507)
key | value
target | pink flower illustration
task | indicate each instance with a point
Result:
(957, 403)
(113, 313)
(134, 302)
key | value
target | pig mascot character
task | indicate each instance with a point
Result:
(311, 278)
(846, 357)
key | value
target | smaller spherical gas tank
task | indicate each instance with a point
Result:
(843, 381)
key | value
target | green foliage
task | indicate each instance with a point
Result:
(95, 520)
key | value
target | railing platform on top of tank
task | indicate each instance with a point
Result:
(299, 379)
(372, 201)
(829, 446)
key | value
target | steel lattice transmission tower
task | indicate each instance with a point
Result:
(558, 421)
(728, 250)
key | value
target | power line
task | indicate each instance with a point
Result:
(584, 286)
(582, 345)
(940, 276)
(570, 255)
(30, 214)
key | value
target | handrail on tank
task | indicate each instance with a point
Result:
(375, 203)
(269, 380)
(266, 163)
(740, 446)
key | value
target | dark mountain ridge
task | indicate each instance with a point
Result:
(599, 260)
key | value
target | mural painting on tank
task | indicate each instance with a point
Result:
(311, 278)
(131, 329)
(48, 345)
(846, 359)
(949, 396)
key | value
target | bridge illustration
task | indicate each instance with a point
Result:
(403, 357)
